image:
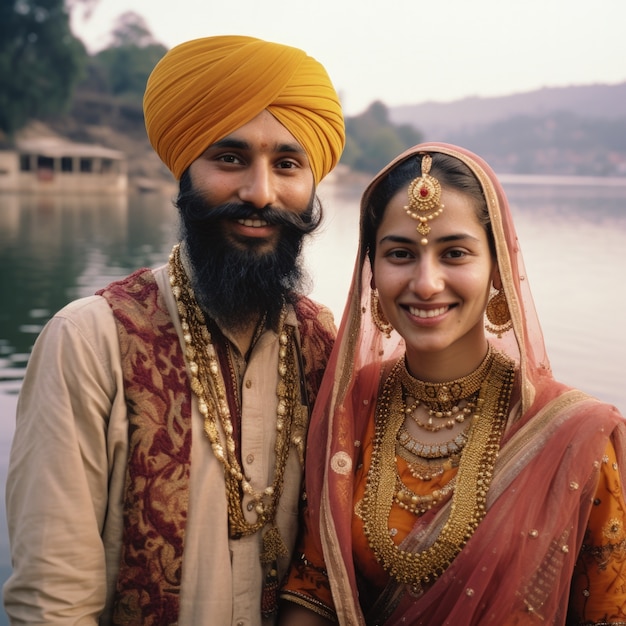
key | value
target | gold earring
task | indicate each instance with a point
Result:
(424, 198)
(498, 314)
(378, 317)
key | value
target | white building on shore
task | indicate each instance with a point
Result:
(56, 165)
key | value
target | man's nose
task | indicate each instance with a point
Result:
(257, 187)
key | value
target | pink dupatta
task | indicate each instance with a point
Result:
(517, 566)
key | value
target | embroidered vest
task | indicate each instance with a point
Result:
(158, 399)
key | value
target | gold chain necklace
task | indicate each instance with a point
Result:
(473, 478)
(208, 386)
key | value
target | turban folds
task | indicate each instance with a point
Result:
(204, 89)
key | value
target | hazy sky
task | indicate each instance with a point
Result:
(407, 51)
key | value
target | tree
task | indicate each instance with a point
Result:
(130, 58)
(372, 140)
(40, 61)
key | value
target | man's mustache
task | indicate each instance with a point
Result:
(301, 222)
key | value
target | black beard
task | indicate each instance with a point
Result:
(234, 282)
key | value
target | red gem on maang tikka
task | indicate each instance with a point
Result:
(424, 198)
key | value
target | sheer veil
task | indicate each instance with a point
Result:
(344, 403)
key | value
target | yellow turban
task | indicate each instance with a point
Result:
(204, 89)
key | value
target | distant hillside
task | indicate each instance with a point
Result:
(567, 130)
(438, 119)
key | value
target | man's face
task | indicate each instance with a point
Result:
(260, 165)
(245, 206)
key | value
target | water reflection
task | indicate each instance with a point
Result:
(54, 249)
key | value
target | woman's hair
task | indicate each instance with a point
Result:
(451, 174)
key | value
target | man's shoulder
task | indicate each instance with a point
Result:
(132, 283)
(86, 308)
(315, 317)
(139, 302)
(306, 308)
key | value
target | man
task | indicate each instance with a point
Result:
(156, 467)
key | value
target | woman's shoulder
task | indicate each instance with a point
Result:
(378, 369)
(368, 379)
(563, 406)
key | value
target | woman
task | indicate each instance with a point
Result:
(450, 478)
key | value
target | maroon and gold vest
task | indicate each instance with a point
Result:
(158, 400)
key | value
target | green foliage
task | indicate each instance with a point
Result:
(126, 68)
(126, 64)
(40, 61)
(372, 140)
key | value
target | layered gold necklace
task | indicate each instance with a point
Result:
(208, 385)
(494, 385)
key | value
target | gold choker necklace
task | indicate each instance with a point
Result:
(443, 399)
(208, 386)
(468, 506)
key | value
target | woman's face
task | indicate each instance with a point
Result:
(435, 295)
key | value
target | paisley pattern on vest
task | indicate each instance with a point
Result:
(158, 399)
(158, 396)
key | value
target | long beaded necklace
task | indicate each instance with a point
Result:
(473, 478)
(208, 386)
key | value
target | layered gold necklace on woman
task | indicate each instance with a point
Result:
(488, 391)
(208, 385)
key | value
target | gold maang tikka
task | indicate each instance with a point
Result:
(424, 199)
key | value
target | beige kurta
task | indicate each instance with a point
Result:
(66, 481)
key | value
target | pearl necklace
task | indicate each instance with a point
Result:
(208, 386)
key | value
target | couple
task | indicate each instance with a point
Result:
(156, 471)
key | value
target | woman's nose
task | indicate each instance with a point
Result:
(427, 279)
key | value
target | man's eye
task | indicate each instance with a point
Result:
(228, 158)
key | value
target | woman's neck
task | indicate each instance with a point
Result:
(446, 365)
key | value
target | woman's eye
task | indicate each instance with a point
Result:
(399, 254)
(455, 254)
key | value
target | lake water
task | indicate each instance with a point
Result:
(572, 232)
